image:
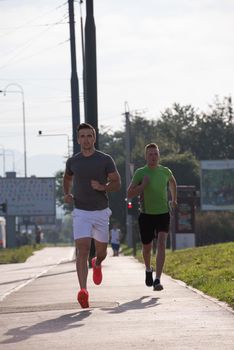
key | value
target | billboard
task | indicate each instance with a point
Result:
(28, 196)
(217, 185)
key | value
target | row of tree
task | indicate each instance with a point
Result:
(184, 135)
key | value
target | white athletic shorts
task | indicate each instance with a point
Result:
(94, 224)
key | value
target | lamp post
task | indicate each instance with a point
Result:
(3, 159)
(21, 91)
(68, 139)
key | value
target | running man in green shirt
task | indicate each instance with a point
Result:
(151, 182)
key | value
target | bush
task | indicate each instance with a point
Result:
(214, 227)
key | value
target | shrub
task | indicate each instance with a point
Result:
(214, 227)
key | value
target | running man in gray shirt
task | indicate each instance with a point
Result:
(89, 175)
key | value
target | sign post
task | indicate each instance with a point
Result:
(183, 225)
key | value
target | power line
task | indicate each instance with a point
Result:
(30, 42)
(49, 48)
(33, 26)
(12, 30)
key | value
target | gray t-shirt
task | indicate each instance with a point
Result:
(84, 169)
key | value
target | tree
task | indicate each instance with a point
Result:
(206, 135)
(176, 126)
(59, 192)
(213, 136)
(185, 168)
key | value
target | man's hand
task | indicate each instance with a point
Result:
(68, 198)
(173, 204)
(97, 186)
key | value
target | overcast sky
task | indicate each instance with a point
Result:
(149, 53)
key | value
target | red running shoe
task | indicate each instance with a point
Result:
(83, 298)
(97, 272)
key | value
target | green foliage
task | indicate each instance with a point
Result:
(185, 168)
(59, 192)
(142, 132)
(207, 135)
(176, 126)
(59, 187)
(214, 227)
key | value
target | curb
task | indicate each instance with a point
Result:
(199, 292)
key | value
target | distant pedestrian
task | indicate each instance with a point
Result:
(92, 174)
(39, 235)
(151, 183)
(115, 237)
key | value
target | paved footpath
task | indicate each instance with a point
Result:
(38, 309)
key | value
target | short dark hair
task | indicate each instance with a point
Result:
(86, 126)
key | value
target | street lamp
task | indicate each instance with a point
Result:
(21, 91)
(68, 139)
(3, 159)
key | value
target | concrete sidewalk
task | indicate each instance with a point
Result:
(123, 313)
(16, 276)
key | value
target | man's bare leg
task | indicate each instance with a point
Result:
(101, 252)
(83, 248)
(160, 257)
(146, 251)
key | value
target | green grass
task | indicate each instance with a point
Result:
(209, 269)
(18, 255)
(125, 250)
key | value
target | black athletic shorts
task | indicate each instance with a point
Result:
(150, 225)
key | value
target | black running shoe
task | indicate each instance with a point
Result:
(157, 285)
(149, 278)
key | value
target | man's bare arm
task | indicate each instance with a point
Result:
(67, 186)
(113, 184)
(173, 190)
(134, 190)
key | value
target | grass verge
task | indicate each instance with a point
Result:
(209, 269)
(18, 255)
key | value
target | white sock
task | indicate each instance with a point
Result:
(150, 269)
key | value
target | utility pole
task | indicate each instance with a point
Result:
(91, 69)
(75, 101)
(10, 221)
(83, 59)
(128, 175)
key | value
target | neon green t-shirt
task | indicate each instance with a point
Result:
(154, 200)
